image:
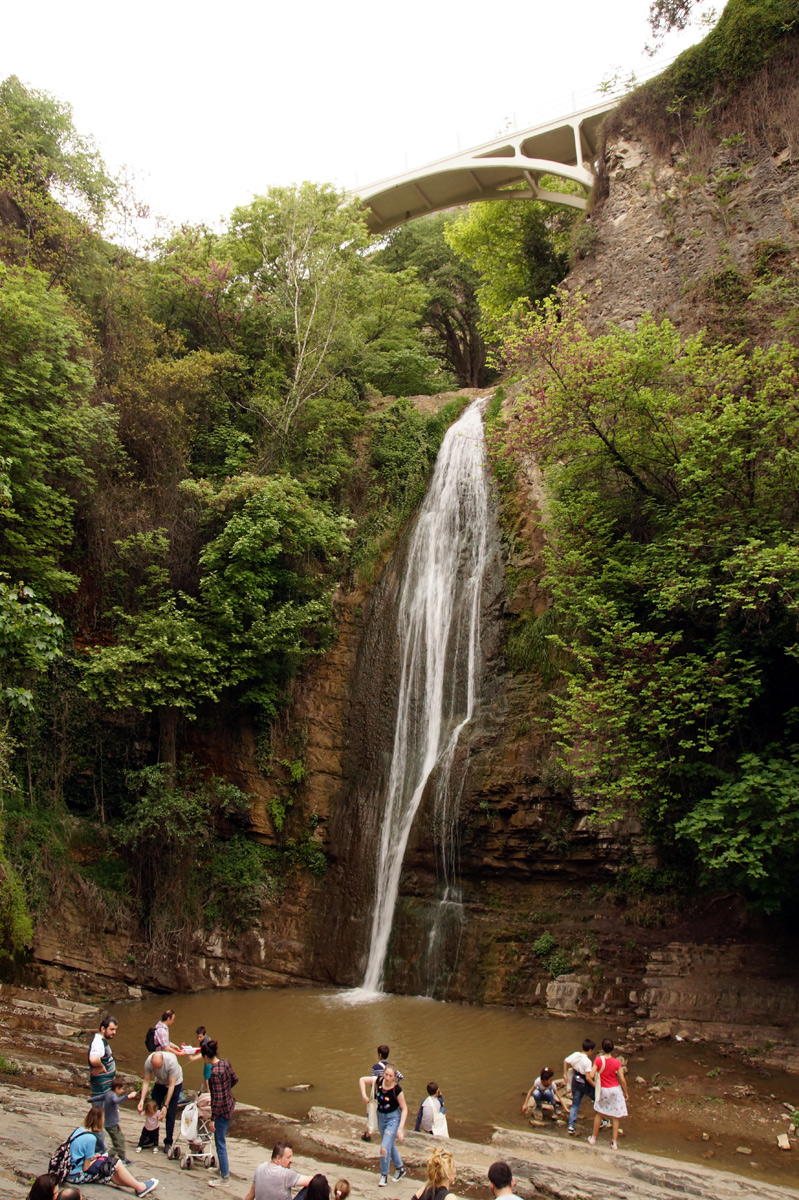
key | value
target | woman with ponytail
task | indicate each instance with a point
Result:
(441, 1172)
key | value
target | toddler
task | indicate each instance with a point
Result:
(148, 1138)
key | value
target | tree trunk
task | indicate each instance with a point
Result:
(167, 742)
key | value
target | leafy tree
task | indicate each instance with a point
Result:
(300, 251)
(193, 291)
(451, 314)
(262, 603)
(53, 183)
(30, 639)
(162, 662)
(671, 469)
(52, 438)
(171, 873)
(394, 357)
(260, 608)
(747, 830)
(665, 15)
(519, 250)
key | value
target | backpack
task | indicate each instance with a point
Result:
(61, 1162)
(149, 1039)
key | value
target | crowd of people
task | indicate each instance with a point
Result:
(85, 1158)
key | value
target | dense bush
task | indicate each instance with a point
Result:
(671, 471)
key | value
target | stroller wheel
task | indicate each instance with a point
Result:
(185, 1163)
(206, 1160)
(173, 1152)
(211, 1160)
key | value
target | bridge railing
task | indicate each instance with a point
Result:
(619, 84)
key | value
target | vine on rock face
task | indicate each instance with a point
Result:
(672, 477)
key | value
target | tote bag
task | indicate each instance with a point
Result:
(440, 1127)
(371, 1110)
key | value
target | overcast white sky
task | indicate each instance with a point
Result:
(210, 105)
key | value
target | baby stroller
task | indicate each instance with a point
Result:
(195, 1133)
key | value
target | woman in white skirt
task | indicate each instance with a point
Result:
(611, 1092)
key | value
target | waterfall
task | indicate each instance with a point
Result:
(438, 628)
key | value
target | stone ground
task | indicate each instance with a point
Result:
(34, 1122)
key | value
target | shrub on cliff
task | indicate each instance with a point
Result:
(749, 35)
(671, 470)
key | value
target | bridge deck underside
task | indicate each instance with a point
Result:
(490, 172)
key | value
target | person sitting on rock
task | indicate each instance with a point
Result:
(87, 1166)
(428, 1118)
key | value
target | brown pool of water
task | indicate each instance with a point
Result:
(483, 1058)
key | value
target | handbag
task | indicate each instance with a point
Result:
(103, 1166)
(371, 1110)
(597, 1072)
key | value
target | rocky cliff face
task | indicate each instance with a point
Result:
(687, 231)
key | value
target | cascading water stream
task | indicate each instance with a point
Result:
(438, 628)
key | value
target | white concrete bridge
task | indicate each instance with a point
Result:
(564, 148)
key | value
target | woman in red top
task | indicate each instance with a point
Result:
(611, 1092)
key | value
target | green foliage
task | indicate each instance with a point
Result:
(15, 920)
(161, 661)
(584, 237)
(51, 438)
(530, 645)
(53, 180)
(560, 962)
(544, 945)
(260, 610)
(404, 445)
(35, 840)
(637, 882)
(261, 604)
(239, 876)
(30, 639)
(747, 830)
(323, 456)
(9, 1066)
(451, 314)
(555, 958)
(168, 839)
(671, 469)
(748, 35)
(395, 358)
(519, 250)
(301, 247)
